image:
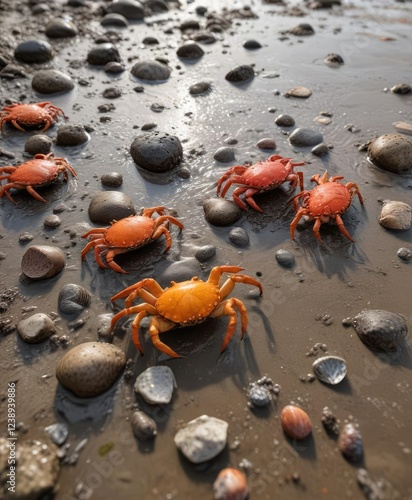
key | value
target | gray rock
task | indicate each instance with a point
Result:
(202, 438)
(199, 88)
(381, 330)
(151, 71)
(130, 9)
(103, 324)
(239, 237)
(243, 73)
(252, 45)
(156, 385)
(333, 60)
(392, 152)
(103, 54)
(401, 88)
(36, 329)
(143, 426)
(57, 432)
(107, 206)
(112, 179)
(266, 143)
(221, 212)
(285, 121)
(150, 40)
(302, 29)
(51, 81)
(301, 92)
(396, 215)
(404, 254)
(180, 270)
(41, 262)
(305, 137)
(224, 154)
(73, 298)
(52, 221)
(91, 368)
(34, 52)
(157, 152)
(40, 8)
(190, 50)
(112, 92)
(60, 28)
(114, 68)
(114, 20)
(258, 395)
(71, 135)
(285, 258)
(203, 254)
(320, 150)
(38, 144)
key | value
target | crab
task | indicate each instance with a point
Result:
(128, 234)
(328, 200)
(262, 176)
(41, 171)
(30, 115)
(184, 304)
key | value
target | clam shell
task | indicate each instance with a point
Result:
(350, 443)
(396, 215)
(330, 369)
(295, 422)
(230, 484)
(73, 298)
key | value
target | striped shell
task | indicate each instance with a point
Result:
(73, 298)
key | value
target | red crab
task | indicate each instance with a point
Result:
(261, 176)
(30, 115)
(328, 200)
(183, 304)
(128, 234)
(41, 171)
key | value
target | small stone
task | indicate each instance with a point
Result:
(36, 329)
(266, 143)
(60, 28)
(302, 29)
(151, 71)
(107, 206)
(285, 121)
(252, 45)
(221, 212)
(103, 54)
(230, 484)
(199, 88)
(73, 298)
(243, 73)
(157, 152)
(41, 262)
(52, 81)
(112, 93)
(239, 237)
(404, 254)
(150, 40)
(401, 88)
(205, 253)
(143, 426)
(323, 120)
(156, 385)
(34, 52)
(103, 324)
(130, 9)
(350, 443)
(285, 258)
(224, 154)
(392, 152)
(38, 144)
(396, 215)
(190, 50)
(114, 67)
(112, 179)
(333, 60)
(320, 150)
(113, 19)
(305, 137)
(52, 221)
(301, 92)
(330, 422)
(58, 433)
(71, 135)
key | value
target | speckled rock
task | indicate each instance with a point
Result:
(36, 328)
(52, 81)
(107, 206)
(157, 152)
(392, 152)
(112, 179)
(404, 254)
(396, 215)
(302, 29)
(71, 135)
(224, 154)
(156, 385)
(221, 212)
(151, 70)
(130, 9)
(114, 67)
(381, 330)
(203, 254)
(202, 438)
(34, 52)
(243, 73)
(320, 150)
(285, 121)
(60, 28)
(52, 221)
(305, 137)
(285, 258)
(190, 50)
(41, 262)
(113, 19)
(38, 144)
(301, 92)
(102, 54)
(239, 237)
(91, 368)
(199, 88)
(143, 426)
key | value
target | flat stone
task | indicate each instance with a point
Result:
(107, 206)
(156, 385)
(36, 329)
(199, 88)
(34, 52)
(52, 81)
(305, 137)
(243, 73)
(301, 92)
(190, 50)
(266, 143)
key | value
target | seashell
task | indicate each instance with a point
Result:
(350, 443)
(143, 426)
(330, 369)
(295, 422)
(230, 484)
(73, 298)
(396, 215)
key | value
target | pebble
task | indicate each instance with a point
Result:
(205, 37)
(191, 24)
(239, 237)
(401, 88)
(71, 135)
(114, 20)
(52, 221)
(156, 151)
(302, 29)
(34, 52)
(60, 28)
(103, 324)
(396, 215)
(112, 179)
(156, 385)
(40, 8)
(350, 443)
(252, 45)
(190, 50)
(36, 329)
(143, 426)
(58, 433)
(261, 392)
(381, 330)
(202, 438)
(230, 484)
(114, 67)
(151, 70)
(295, 422)
(301, 92)
(330, 422)
(40, 262)
(224, 154)
(333, 60)
(199, 88)
(266, 143)
(150, 40)
(392, 152)
(243, 73)
(52, 81)
(13, 71)
(38, 144)
(203, 254)
(130, 9)
(73, 298)
(180, 270)
(91, 368)
(221, 212)
(285, 121)
(320, 150)
(107, 206)
(404, 254)
(111, 92)
(285, 258)
(305, 137)
(103, 54)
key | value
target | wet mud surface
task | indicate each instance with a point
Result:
(300, 307)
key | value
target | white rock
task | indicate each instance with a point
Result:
(156, 385)
(396, 215)
(202, 439)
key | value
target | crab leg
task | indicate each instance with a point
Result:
(238, 169)
(4, 191)
(228, 308)
(157, 326)
(148, 212)
(352, 185)
(343, 230)
(216, 272)
(111, 254)
(248, 196)
(149, 283)
(294, 223)
(142, 311)
(14, 122)
(229, 285)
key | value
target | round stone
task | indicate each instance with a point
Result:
(51, 81)
(305, 137)
(242, 73)
(396, 215)
(34, 52)
(252, 45)
(221, 212)
(52, 221)
(285, 121)
(190, 50)
(404, 254)
(36, 329)
(73, 298)
(130, 9)
(266, 143)
(151, 71)
(114, 20)
(107, 206)
(113, 179)
(239, 237)
(333, 60)
(301, 92)
(179, 270)
(103, 324)
(157, 152)
(392, 152)
(71, 135)
(156, 385)
(203, 254)
(143, 426)
(41, 262)
(199, 88)
(38, 144)
(285, 258)
(102, 54)
(302, 29)
(401, 88)
(114, 68)
(224, 154)
(60, 28)
(320, 150)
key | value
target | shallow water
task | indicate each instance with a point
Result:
(337, 280)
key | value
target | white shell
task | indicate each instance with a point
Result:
(396, 215)
(330, 369)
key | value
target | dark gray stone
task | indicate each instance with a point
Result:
(305, 137)
(107, 206)
(285, 121)
(36, 329)
(71, 135)
(38, 144)
(103, 54)
(60, 28)
(203, 254)
(320, 150)
(239, 237)
(285, 258)
(224, 154)
(151, 70)
(52, 81)
(199, 88)
(112, 179)
(156, 152)
(130, 9)
(143, 426)
(242, 73)
(252, 45)
(114, 20)
(190, 50)
(34, 52)
(114, 67)
(52, 221)
(221, 212)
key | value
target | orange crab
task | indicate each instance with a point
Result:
(128, 234)
(262, 176)
(30, 115)
(328, 200)
(41, 171)
(184, 304)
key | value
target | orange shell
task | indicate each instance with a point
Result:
(328, 199)
(295, 422)
(130, 232)
(267, 174)
(35, 173)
